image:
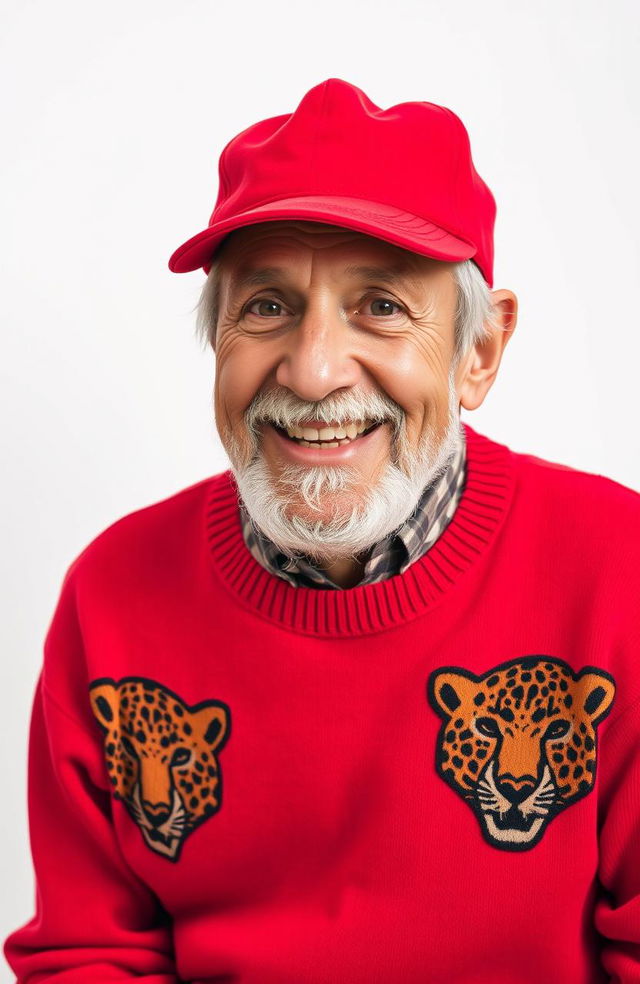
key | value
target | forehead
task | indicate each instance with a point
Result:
(285, 244)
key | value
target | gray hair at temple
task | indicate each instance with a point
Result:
(474, 319)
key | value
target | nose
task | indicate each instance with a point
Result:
(515, 790)
(318, 358)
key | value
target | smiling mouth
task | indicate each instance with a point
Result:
(324, 444)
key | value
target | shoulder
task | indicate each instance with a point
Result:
(594, 517)
(584, 490)
(546, 484)
(148, 538)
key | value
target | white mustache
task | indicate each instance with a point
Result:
(283, 409)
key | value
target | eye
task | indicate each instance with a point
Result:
(557, 729)
(488, 727)
(128, 747)
(385, 306)
(180, 757)
(266, 302)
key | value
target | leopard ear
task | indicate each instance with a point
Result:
(104, 704)
(214, 723)
(595, 692)
(448, 690)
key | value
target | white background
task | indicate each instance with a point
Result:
(113, 118)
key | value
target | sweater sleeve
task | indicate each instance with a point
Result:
(617, 910)
(95, 920)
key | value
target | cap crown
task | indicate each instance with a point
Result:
(403, 174)
(414, 156)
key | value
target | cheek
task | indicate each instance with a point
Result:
(236, 384)
(413, 372)
(422, 396)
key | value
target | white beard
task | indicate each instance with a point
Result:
(382, 509)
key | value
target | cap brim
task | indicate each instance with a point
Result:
(381, 221)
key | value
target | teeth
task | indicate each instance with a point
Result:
(329, 434)
(325, 444)
(328, 437)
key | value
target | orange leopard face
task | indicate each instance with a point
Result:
(162, 757)
(519, 743)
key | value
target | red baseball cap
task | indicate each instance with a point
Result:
(403, 174)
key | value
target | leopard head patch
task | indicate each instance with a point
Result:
(162, 757)
(519, 743)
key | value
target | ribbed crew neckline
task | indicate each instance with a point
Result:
(368, 608)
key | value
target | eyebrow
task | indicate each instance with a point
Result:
(394, 274)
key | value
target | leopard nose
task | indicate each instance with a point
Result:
(156, 813)
(515, 790)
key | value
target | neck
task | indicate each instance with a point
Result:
(345, 572)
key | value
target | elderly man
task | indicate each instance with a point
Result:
(365, 707)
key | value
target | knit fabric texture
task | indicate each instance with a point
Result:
(434, 777)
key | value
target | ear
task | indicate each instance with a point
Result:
(214, 724)
(450, 690)
(596, 695)
(478, 369)
(104, 703)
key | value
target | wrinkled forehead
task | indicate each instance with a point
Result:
(316, 234)
(287, 243)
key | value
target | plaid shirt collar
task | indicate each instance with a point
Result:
(392, 555)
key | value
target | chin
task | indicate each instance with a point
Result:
(332, 506)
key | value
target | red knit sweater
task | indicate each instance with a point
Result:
(434, 778)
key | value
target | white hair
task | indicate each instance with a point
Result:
(475, 317)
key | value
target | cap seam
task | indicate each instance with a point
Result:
(358, 198)
(269, 201)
